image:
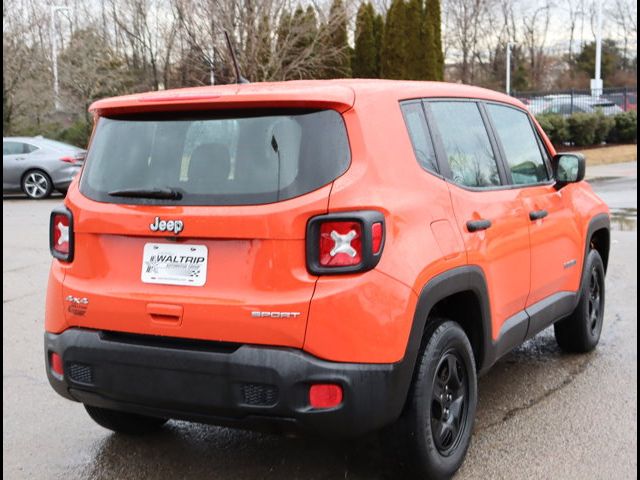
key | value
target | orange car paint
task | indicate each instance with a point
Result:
(257, 253)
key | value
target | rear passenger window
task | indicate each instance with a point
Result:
(466, 143)
(12, 148)
(520, 145)
(418, 131)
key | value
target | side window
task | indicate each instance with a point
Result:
(28, 148)
(520, 145)
(418, 131)
(13, 148)
(466, 143)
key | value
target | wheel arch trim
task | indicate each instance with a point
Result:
(468, 278)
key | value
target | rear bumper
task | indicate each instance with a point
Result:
(234, 385)
(62, 177)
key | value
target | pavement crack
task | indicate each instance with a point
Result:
(20, 297)
(17, 269)
(571, 376)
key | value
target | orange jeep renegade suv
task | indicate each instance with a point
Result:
(334, 256)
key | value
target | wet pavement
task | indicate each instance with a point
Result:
(542, 413)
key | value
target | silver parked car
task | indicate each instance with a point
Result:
(565, 105)
(37, 165)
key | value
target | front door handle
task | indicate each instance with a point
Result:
(538, 214)
(477, 225)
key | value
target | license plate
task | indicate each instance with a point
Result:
(174, 264)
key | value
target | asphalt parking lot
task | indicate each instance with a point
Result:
(542, 413)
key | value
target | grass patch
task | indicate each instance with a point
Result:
(607, 154)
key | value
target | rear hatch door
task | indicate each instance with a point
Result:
(193, 225)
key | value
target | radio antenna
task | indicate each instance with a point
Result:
(239, 77)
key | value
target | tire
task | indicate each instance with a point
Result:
(436, 425)
(36, 184)
(580, 331)
(123, 422)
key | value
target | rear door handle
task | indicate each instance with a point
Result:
(538, 214)
(477, 225)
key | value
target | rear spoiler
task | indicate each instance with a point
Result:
(244, 96)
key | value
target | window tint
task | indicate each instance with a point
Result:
(28, 148)
(238, 158)
(520, 145)
(12, 148)
(466, 143)
(418, 131)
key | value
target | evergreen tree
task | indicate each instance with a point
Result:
(433, 17)
(285, 38)
(364, 64)
(394, 46)
(284, 31)
(378, 33)
(415, 68)
(310, 25)
(263, 49)
(430, 55)
(304, 28)
(338, 53)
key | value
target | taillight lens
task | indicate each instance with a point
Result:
(340, 243)
(68, 159)
(345, 242)
(61, 234)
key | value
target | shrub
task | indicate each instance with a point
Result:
(555, 127)
(76, 134)
(604, 125)
(582, 128)
(625, 128)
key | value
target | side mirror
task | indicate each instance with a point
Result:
(568, 168)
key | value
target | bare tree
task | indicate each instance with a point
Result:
(624, 14)
(535, 23)
(574, 9)
(271, 42)
(467, 23)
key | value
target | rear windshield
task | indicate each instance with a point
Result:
(242, 158)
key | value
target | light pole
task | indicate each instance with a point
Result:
(508, 82)
(212, 59)
(54, 55)
(596, 83)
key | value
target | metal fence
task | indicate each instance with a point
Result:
(610, 101)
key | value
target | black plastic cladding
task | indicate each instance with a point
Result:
(61, 256)
(366, 218)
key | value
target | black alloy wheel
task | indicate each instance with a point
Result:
(449, 402)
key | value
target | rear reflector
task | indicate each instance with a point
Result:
(376, 235)
(68, 159)
(325, 395)
(55, 361)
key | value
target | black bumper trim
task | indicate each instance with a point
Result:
(211, 386)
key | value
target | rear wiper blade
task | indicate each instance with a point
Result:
(161, 193)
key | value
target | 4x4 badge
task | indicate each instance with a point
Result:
(175, 226)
